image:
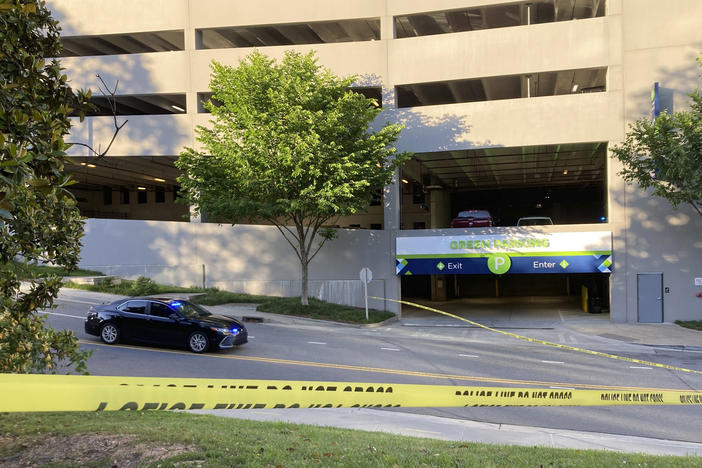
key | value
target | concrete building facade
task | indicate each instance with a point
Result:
(509, 107)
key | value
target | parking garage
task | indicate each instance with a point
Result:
(569, 257)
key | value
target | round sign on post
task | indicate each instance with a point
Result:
(366, 277)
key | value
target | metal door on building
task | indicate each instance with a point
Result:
(650, 297)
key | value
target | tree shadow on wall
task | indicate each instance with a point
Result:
(659, 236)
(426, 129)
(144, 149)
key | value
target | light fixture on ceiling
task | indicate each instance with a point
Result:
(178, 108)
(433, 187)
(83, 164)
(405, 181)
(141, 187)
(158, 179)
(574, 89)
(91, 166)
(565, 171)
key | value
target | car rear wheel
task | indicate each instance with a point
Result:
(198, 342)
(109, 333)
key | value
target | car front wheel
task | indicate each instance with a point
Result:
(109, 333)
(198, 342)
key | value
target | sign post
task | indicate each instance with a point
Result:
(366, 277)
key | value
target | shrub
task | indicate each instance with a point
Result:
(143, 286)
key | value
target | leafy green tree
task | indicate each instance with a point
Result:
(39, 219)
(665, 155)
(289, 145)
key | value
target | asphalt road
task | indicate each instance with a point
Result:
(397, 354)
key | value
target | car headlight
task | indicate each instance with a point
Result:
(226, 331)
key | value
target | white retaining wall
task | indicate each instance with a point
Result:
(241, 258)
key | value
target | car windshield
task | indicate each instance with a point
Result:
(188, 309)
(474, 214)
(534, 221)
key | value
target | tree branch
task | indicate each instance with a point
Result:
(697, 208)
(324, 239)
(110, 94)
(282, 230)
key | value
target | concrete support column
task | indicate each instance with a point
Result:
(439, 209)
(387, 28)
(439, 203)
(391, 211)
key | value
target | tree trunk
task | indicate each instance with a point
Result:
(304, 293)
(304, 262)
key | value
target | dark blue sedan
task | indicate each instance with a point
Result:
(164, 321)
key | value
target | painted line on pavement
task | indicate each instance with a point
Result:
(640, 367)
(553, 362)
(379, 370)
(468, 355)
(76, 301)
(418, 430)
(390, 349)
(61, 315)
(316, 342)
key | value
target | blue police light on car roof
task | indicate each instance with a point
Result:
(177, 304)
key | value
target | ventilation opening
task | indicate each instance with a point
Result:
(321, 32)
(133, 43)
(496, 16)
(495, 88)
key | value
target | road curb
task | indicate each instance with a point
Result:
(263, 317)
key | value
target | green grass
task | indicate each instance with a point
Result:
(217, 297)
(217, 441)
(322, 310)
(692, 324)
(34, 270)
(126, 288)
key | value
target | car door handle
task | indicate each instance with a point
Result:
(659, 298)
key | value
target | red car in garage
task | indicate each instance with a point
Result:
(472, 218)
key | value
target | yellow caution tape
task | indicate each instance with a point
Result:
(32, 392)
(534, 340)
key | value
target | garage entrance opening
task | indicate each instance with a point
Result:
(500, 263)
(586, 292)
(564, 183)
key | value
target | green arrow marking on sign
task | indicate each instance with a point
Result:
(564, 264)
(440, 266)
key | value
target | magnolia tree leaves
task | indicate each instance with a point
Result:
(39, 219)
